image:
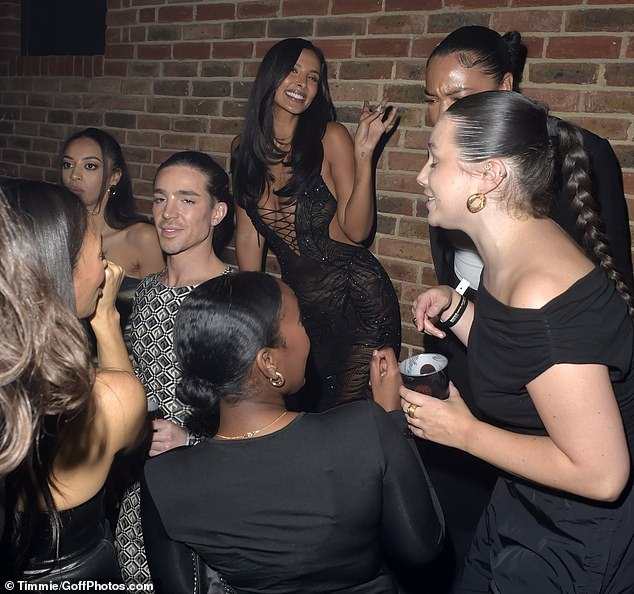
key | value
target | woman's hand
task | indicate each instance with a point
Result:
(106, 302)
(385, 379)
(371, 128)
(427, 308)
(446, 422)
(166, 436)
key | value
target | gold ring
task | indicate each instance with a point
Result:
(411, 410)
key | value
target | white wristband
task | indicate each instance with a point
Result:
(463, 285)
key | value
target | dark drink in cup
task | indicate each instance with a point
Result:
(426, 374)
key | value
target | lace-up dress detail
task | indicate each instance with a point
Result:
(348, 304)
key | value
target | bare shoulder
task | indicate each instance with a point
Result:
(336, 132)
(117, 391)
(142, 235)
(535, 288)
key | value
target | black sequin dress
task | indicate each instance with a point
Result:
(348, 304)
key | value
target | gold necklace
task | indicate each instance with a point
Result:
(251, 433)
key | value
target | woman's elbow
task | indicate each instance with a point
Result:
(610, 487)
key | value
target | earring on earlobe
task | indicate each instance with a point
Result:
(112, 191)
(487, 167)
(278, 381)
(476, 202)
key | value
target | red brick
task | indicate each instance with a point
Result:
(620, 75)
(118, 18)
(368, 69)
(232, 49)
(154, 52)
(334, 49)
(264, 8)
(397, 24)
(115, 69)
(404, 250)
(406, 161)
(423, 46)
(342, 26)
(152, 122)
(354, 6)
(471, 4)
(606, 19)
(175, 14)
(536, 3)
(215, 12)
(121, 52)
(206, 31)
(612, 128)
(304, 7)
(400, 270)
(382, 47)
(609, 102)
(192, 51)
(574, 73)
(353, 92)
(628, 185)
(576, 46)
(394, 5)
(527, 20)
(557, 100)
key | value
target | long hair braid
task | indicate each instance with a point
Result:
(575, 167)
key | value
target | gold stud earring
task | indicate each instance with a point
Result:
(487, 167)
(476, 202)
(278, 381)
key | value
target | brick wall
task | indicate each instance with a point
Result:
(176, 75)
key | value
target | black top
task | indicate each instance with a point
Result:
(509, 347)
(607, 191)
(348, 304)
(312, 507)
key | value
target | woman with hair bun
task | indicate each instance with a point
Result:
(551, 354)
(284, 502)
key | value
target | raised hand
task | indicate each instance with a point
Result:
(371, 128)
(427, 308)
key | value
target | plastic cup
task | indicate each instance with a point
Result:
(426, 374)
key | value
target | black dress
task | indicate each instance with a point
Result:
(532, 539)
(318, 506)
(348, 304)
(464, 484)
(85, 552)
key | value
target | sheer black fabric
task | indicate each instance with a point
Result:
(348, 304)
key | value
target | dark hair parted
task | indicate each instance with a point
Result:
(219, 329)
(508, 125)
(120, 211)
(258, 151)
(488, 51)
(46, 371)
(217, 187)
(56, 221)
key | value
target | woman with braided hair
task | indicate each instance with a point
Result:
(551, 354)
(470, 60)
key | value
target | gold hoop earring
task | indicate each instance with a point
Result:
(476, 202)
(278, 381)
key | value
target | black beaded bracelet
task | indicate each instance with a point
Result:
(454, 318)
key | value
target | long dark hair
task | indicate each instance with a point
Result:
(508, 125)
(120, 211)
(488, 51)
(56, 221)
(219, 329)
(217, 187)
(257, 150)
(46, 370)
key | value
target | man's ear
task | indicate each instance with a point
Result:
(218, 213)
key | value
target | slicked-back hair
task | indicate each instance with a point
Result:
(219, 329)
(257, 150)
(508, 125)
(486, 50)
(217, 186)
(120, 211)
